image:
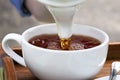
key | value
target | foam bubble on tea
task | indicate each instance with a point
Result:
(63, 12)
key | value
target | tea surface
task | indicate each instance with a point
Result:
(52, 41)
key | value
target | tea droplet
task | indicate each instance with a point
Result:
(65, 43)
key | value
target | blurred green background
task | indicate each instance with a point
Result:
(103, 14)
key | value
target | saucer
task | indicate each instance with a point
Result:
(107, 78)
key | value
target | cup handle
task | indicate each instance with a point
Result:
(9, 51)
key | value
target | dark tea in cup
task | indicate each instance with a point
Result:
(49, 61)
(52, 41)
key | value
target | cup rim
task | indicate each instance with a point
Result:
(106, 41)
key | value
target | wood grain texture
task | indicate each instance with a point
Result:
(9, 68)
(19, 72)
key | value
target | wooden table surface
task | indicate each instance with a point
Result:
(14, 71)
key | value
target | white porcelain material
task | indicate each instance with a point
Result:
(56, 64)
(107, 78)
(61, 3)
(63, 13)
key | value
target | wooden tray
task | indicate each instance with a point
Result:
(14, 71)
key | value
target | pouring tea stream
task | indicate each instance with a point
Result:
(63, 13)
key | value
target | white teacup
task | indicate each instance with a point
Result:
(57, 64)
